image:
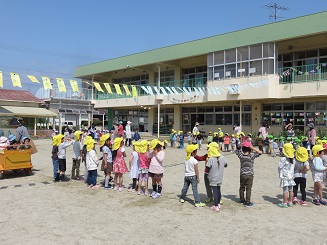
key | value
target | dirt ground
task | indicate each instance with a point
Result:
(37, 211)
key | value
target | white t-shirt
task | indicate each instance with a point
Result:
(189, 166)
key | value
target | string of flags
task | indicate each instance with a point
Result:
(292, 69)
(145, 107)
(174, 100)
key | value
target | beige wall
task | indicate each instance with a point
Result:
(178, 117)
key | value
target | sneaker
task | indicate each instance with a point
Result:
(95, 187)
(90, 186)
(116, 188)
(214, 208)
(295, 200)
(130, 190)
(208, 200)
(200, 204)
(289, 204)
(315, 202)
(153, 193)
(108, 187)
(282, 205)
(323, 202)
(133, 191)
(146, 193)
(157, 195)
(304, 203)
(250, 204)
(140, 192)
(242, 201)
(120, 189)
(182, 200)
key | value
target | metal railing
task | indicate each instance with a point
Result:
(306, 73)
(84, 94)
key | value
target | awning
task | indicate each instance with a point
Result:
(28, 111)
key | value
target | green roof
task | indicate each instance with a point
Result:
(277, 31)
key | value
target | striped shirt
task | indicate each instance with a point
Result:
(247, 162)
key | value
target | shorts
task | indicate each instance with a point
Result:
(155, 175)
(62, 165)
(287, 189)
(318, 177)
(143, 177)
(108, 170)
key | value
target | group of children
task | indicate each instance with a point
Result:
(11, 143)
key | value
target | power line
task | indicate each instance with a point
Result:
(46, 52)
(275, 9)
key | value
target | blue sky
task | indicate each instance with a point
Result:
(71, 33)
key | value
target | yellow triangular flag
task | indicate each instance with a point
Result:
(127, 89)
(134, 91)
(108, 88)
(33, 79)
(74, 85)
(98, 87)
(46, 83)
(118, 91)
(61, 85)
(15, 80)
(1, 80)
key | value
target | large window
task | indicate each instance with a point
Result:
(252, 60)
(194, 76)
(139, 118)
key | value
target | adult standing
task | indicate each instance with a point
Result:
(263, 132)
(237, 129)
(120, 129)
(21, 131)
(128, 131)
(311, 134)
(196, 129)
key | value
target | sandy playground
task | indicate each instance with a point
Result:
(37, 211)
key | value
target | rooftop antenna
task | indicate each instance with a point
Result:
(275, 9)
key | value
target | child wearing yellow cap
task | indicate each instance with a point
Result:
(77, 154)
(317, 168)
(106, 165)
(119, 165)
(56, 140)
(215, 168)
(92, 163)
(301, 167)
(191, 175)
(65, 143)
(134, 164)
(199, 138)
(286, 175)
(144, 167)
(156, 168)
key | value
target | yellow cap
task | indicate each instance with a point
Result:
(56, 140)
(117, 142)
(189, 149)
(288, 150)
(213, 150)
(87, 138)
(316, 149)
(104, 138)
(77, 134)
(136, 145)
(302, 154)
(90, 144)
(154, 143)
(143, 146)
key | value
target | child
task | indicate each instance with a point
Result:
(144, 167)
(171, 136)
(226, 142)
(175, 139)
(191, 175)
(136, 135)
(238, 140)
(260, 143)
(286, 175)
(317, 169)
(119, 164)
(281, 145)
(77, 154)
(270, 142)
(215, 167)
(106, 165)
(249, 138)
(62, 157)
(220, 139)
(134, 164)
(199, 138)
(301, 167)
(194, 139)
(92, 165)
(215, 137)
(156, 169)
(233, 143)
(247, 157)
(189, 137)
(210, 138)
(275, 147)
(56, 140)
(181, 139)
(84, 151)
(306, 144)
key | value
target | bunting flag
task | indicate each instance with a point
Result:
(169, 90)
(15, 80)
(163, 91)
(61, 84)
(150, 90)
(134, 91)
(156, 89)
(108, 88)
(98, 87)
(74, 85)
(145, 107)
(127, 89)
(175, 91)
(1, 80)
(46, 83)
(196, 91)
(145, 89)
(118, 90)
(33, 79)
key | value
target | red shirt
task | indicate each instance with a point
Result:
(120, 129)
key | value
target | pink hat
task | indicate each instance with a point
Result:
(325, 146)
(247, 144)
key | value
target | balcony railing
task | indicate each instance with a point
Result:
(306, 73)
(84, 94)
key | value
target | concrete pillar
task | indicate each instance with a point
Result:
(34, 126)
(256, 116)
(151, 118)
(152, 80)
(177, 117)
(177, 73)
(110, 118)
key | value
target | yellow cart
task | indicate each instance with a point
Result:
(14, 160)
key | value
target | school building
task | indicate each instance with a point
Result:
(288, 59)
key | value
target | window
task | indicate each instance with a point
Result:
(209, 119)
(228, 108)
(219, 57)
(256, 51)
(243, 54)
(257, 65)
(230, 70)
(230, 56)
(321, 105)
(219, 73)
(219, 119)
(243, 69)
(268, 67)
(219, 108)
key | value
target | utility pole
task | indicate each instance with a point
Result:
(275, 9)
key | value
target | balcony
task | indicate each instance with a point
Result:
(300, 74)
(84, 94)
